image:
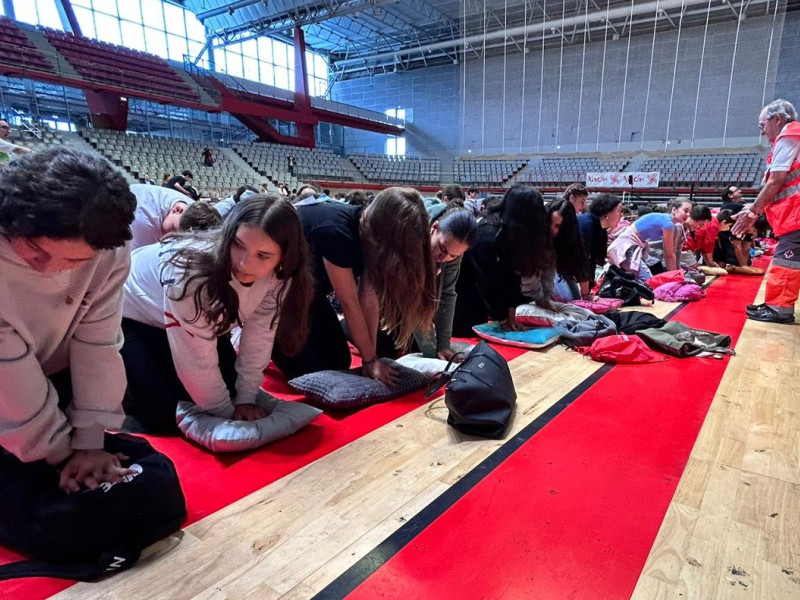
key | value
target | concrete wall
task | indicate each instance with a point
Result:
(433, 96)
(602, 97)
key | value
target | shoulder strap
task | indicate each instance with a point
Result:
(443, 378)
(115, 560)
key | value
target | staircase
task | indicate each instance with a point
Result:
(60, 64)
(205, 97)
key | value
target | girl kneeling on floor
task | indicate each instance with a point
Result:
(183, 297)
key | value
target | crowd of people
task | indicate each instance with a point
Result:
(119, 301)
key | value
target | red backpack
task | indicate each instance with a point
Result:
(622, 349)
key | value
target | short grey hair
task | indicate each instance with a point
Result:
(782, 108)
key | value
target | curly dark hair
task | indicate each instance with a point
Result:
(65, 194)
(570, 254)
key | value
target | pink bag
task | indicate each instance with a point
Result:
(600, 306)
(679, 292)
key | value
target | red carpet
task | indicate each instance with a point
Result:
(574, 512)
(211, 482)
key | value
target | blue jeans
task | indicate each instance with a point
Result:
(566, 290)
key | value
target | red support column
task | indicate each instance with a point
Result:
(108, 110)
(302, 100)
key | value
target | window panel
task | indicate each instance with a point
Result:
(320, 66)
(133, 36)
(267, 73)
(250, 68)
(25, 11)
(173, 15)
(130, 10)
(265, 50)
(194, 28)
(86, 21)
(176, 47)
(86, 3)
(152, 15)
(107, 28)
(108, 7)
(279, 55)
(156, 42)
(194, 49)
(48, 14)
(250, 48)
(282, 77)
(234, 63)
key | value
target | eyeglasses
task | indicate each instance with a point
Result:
(763, 124)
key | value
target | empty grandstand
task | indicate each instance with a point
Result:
(140, 155)
(487, 172)
(708, 169)
(290, 163)
(397, 169)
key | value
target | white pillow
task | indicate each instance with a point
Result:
(226, 435)
(429, 366)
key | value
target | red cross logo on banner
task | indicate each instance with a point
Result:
(615, 179)
(652, 178)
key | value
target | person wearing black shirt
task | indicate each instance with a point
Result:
(732, 199)
(605, 212)
(179, 183)
(378, 262)
(513, 242)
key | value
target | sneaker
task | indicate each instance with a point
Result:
(768, 315)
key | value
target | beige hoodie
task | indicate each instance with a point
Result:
(50, 322)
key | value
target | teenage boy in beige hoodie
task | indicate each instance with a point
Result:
(64, 226)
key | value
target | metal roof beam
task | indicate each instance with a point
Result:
(227, 8)
(554, 25)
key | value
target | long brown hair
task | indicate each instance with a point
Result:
(217, 302)
(395, 237)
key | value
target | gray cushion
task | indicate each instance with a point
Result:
(349, 389)
(226, 435)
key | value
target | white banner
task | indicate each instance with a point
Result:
(622, 180)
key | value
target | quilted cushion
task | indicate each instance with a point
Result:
(531, 339)
(226, 435)
(348, 389)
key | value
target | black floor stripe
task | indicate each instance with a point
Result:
(375, 559)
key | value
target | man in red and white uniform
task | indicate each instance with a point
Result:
(779, 198)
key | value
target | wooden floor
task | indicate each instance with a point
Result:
(733, 527)
(732, 530)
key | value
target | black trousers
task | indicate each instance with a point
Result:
(325, 349)
(154, 388)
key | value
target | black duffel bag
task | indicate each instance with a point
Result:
(87, 533)
(479, 394)
(620, 284)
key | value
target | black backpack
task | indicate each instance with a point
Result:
(622, 285)
(88, 533)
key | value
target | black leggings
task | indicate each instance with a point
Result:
(325, 349)
(154, 388)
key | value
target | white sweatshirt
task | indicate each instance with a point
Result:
(153, 204)
(49, 322)
(149, 290)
